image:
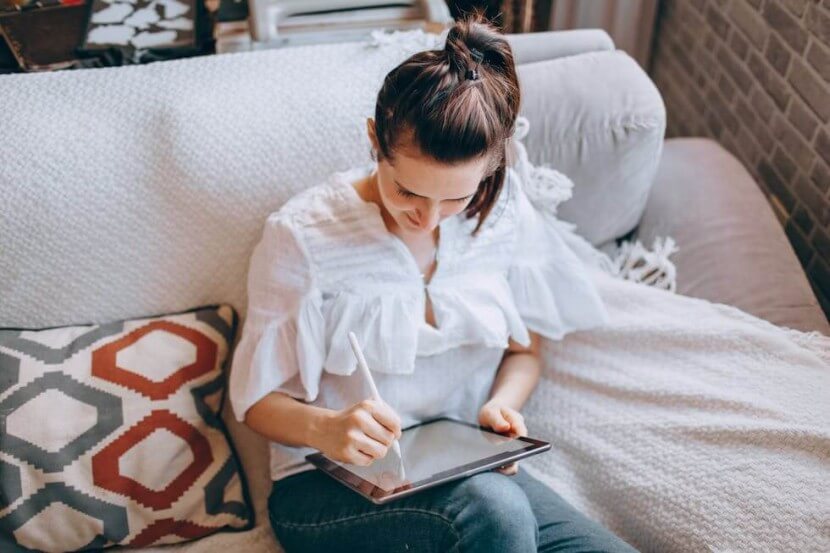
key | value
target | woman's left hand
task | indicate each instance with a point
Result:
(504, 420)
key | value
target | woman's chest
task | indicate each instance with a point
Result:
(454, 383)
(370, 283)
(371, 260)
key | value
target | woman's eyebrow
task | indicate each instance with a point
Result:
(414, 194)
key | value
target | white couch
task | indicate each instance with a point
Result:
(142, 190)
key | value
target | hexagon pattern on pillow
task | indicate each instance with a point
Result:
(111, 433)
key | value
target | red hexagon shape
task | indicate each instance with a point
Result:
(106, 473)
(104, 364)
(169, 527)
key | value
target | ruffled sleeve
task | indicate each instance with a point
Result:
(282, 342)
(385, 321)
(552, 287)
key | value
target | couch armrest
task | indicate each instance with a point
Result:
(732, 248)
(548, 45)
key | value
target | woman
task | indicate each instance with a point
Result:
(437, 260)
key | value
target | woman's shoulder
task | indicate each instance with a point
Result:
(326, 203)
(312, 204)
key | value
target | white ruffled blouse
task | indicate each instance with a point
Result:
(326, 265)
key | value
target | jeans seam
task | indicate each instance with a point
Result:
(316, 525)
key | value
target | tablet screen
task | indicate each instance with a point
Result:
(432, 448)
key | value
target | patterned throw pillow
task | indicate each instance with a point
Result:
(111, 434)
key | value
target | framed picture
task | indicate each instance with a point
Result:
(134, 26)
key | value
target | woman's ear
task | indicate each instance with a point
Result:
(370, 130)
(373, 139)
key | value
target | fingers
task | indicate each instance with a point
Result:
(357, 457)
(370, 438)
(362, 443)
(375, 430)
(503, 420)
(495, 420)
(385, 416)
(516, 421)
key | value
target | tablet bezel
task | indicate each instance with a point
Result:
(380, 496)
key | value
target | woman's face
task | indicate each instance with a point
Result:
(419, 192)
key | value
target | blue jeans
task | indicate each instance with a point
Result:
(485, 512)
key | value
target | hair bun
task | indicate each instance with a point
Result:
(472, 40)
(472, 73)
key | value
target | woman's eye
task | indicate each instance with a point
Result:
(408, 194)
(405, 193)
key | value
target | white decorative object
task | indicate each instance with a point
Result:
(110, 34)
(407, 40)
(634, 262)
(148, 40)
(115, 13)
(143, 18)
(180, 24)
(140, 25)
(295, 22)
(546, 187)
(173, 8)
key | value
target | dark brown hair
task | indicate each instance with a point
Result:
(428, 102)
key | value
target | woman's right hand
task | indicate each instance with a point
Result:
(359, 434)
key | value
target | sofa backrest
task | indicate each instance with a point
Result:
(138, 190)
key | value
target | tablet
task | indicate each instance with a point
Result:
(433, 452)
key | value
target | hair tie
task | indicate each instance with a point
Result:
(472, 74)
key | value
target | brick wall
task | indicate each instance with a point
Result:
(755, 75)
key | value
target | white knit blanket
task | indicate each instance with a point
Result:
(682, 426)
(689, 426)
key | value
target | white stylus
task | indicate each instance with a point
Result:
(364, 368)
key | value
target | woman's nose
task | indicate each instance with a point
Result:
(430, 217)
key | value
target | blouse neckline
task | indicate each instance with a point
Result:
(346, 179)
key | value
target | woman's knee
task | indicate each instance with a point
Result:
(494, 515)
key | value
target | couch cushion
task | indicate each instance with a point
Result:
(547, 45)
(599, 119)
(111, 433)
(732, 248)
